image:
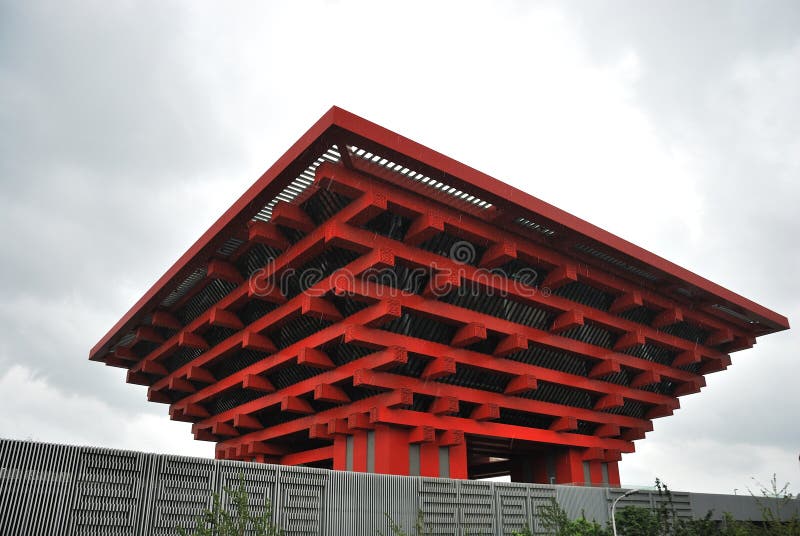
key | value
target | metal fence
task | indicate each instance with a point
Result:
(59, 489)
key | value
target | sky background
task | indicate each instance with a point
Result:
(127, 128)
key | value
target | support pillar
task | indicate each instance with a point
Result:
(340, 453)
(569, 466)
(391, 450)
(613, 474)
(458, 460)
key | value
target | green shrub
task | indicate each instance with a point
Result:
(219, 522)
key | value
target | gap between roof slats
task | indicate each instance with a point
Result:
(419, 177)
(615, 261)
(299, 184)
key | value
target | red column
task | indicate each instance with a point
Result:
(613, 474)
(458, 460)
(569, 466)
(391, 450)
(429, 459)
(596, 472)
(340, 453)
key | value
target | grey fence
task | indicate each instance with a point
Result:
(59, 489)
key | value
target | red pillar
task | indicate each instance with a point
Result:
(596, 472)
(391, 450)
(429, 459)
(458, 460)
(613, 474)
(569, 466)
(340, 453)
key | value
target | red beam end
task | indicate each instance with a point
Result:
(311, 357)
(486, 412)
(295, 404)
(439, 368)
(564, 424)
(629, 340)
(626, 302)
(257, 342)
(604, 368)
(192, 340)
(567, 320)
(610, 401)
(261, 232)
(511, 344)
(422, 434)
(330, 393)
(424, 227)
(225, 319)
(648, 377)
(254, 382)
(469, 334)
(667, 317)
(498, 254)
(561, 276)
(321, 308)
(607, 430)
(224, 271)
(524, 383)
(293, 217)
(444, 405)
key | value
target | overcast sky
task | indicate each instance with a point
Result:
(127, 128)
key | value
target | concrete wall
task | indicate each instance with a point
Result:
(58, 489)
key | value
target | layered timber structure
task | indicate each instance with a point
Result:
(372, 305)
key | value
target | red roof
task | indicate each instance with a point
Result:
(341, 135)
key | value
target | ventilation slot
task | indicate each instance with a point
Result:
(411, 175)
(529, 224)
(615, 261)
(299, 184)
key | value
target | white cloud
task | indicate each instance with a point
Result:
(36, 409)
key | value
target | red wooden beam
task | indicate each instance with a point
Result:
(567, 320)
(493, 429)
(469, 334)
(330, 393)
(667, 317)
(439, 368)
(498, 254)
(164, 319)
(255, 382)
(524, 383)
(384, 380)
(378, 338)
(292, 216)
(267, 233)
(626, 302)
(308, 456)
(560, 276)
(444, 405)
(424, 227)
(386, 358)
(565, 424)
(485, 412)
(511, 344)
(219, 269)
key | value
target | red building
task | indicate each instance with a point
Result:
(370, 304)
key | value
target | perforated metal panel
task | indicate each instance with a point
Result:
(56, 489)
